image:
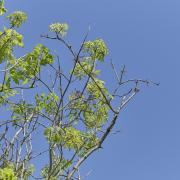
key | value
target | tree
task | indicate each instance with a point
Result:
(72, 109)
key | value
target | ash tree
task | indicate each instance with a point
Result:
(71, 111)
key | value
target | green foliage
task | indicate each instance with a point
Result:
(17, 18)
(58, 167)
(96, 49)
(28, 66)
(6, 93)
(60, 29)
(71, 138)
(8, 40)
(42, 54)
(47, 103)
(94, 108)
(45, 172)
(2, 8)
(96, 115)
(7, 174)
(72, 120)
(22, 111)
(85, 68)
(97, 89)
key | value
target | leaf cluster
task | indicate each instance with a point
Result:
(70, 109)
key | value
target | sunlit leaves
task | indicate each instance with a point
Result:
(39, 56)
(48, 103)
(5, 93)
(97, 88)
(8, 41)
(93, 106)
(22, 111)
(7, 173)
(29, 65)
(90, 140)
(17, 18)
(76, 101)
(95, 117)
(43, 54)
(85, 68)
(72, 119)
(96, 49)
(79, 69)
(70, 138)
(2, 8)
(60, 29)
(58, 166)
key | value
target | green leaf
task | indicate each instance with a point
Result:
(25, 81)
(59, 28)
(96, 49)
(8, 41)
(17, 18)
(2, 8)
(7, 173)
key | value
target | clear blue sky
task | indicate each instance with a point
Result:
(145, 36)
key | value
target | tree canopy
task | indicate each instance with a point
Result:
(72, 112)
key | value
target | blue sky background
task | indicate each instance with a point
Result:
(145, 36)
